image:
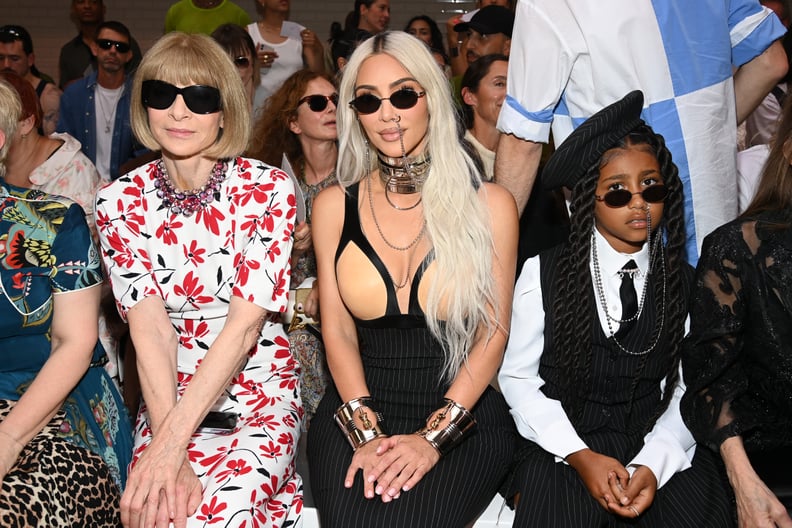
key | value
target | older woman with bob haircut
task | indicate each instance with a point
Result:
(197, 246)
(415, 281)
(65, 438)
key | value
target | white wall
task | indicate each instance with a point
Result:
(49, 25)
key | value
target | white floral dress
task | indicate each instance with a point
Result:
(239, 245)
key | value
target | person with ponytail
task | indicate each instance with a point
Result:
(368, 16)
(591, 371)
(416, 258)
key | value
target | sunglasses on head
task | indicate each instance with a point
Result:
(106, 44)
(242, 62)
(317, 103)
(403, 98)
(200, 99)
(6, 30)
(621, 197)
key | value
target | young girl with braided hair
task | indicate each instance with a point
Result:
(593, 381)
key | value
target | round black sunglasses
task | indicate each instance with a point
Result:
(242, 62)
(317, 102)
(200, 99)
(403, 98)
(621, 197)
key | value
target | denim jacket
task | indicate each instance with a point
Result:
(78, 118)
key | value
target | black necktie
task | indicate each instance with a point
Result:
(629, 299)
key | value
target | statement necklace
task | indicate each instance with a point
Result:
(403, 175)
(187, 202)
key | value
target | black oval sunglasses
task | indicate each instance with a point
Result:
(621, 197)
(317, 102)
(403, 98)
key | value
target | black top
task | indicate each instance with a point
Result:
(353, 234)
(402, 364)
(738, 357)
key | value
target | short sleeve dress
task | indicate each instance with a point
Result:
(238, 245)
(73, 471)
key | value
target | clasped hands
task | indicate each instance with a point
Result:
(611, 485)
(162, 488)
(392, 465)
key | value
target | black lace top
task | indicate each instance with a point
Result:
(738, 356)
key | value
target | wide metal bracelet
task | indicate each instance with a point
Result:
(345, 418)
(459, 423)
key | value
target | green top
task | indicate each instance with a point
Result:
(184, 16)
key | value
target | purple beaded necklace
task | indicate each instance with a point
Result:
(187, 202)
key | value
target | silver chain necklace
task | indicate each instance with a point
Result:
(418, 237)
(108, 118)
(654, 252)
(379, 229)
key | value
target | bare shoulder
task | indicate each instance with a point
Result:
(328, 208)
(498, 199)
(329, 198)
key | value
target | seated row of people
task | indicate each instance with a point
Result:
(416, 257)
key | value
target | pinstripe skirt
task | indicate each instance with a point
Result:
(402, 373)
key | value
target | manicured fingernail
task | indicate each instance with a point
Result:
(379, 490)
(392, 492)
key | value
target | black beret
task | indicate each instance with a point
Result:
(586, 144)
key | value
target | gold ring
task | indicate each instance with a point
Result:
(634, 510)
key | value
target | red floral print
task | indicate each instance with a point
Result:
(196, 265)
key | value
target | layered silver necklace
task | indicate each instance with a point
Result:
(655, 253)
(401, 176)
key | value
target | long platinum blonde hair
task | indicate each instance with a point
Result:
(457, 223)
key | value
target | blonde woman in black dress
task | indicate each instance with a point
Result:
(415, 280)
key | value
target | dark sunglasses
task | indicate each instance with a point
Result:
(199, 99)
(106, 44)
(403, 98)
(242, 62)
(621, 197)
(6, 30)
(317, 103)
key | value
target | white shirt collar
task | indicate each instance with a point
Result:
(612, 261)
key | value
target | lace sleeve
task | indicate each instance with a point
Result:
(712, 356)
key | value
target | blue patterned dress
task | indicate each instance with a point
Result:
(46, 248)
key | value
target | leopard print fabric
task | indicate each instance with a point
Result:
(56, 483)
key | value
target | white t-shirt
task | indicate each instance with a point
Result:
(105, 102)
(289, 58)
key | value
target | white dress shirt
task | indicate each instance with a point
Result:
(668, 447)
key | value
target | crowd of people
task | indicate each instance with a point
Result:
(514, 259)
